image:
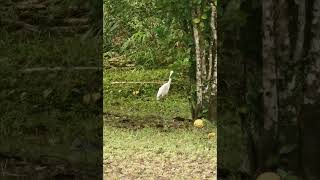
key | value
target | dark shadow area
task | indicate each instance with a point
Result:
(268, 90)
(51, 89)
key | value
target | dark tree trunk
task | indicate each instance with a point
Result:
(310, 112)
(267, 141)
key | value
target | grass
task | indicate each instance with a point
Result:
(62, 126)
(180, 140)
(120, 98)
(151, 153)
(142, 139)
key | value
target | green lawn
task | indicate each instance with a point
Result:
(143, 139)
(120, 98)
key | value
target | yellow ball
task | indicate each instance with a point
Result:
(198, 123)
(268, 176)
(211, 135)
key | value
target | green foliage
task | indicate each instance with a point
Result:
(196, 20)
(140, 31)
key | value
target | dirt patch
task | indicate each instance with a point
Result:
(121, 121)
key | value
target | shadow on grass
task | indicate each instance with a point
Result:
(46, 128)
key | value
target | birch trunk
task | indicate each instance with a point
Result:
(210, 59)
(212, 70)
(203, 65)
(214, 63)
(198, 66)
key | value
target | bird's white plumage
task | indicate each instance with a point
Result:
(164, 89)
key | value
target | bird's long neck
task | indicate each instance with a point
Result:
(170, 78)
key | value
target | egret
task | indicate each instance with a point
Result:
(164, 89)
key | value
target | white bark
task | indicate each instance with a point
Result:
(210, 61)
(198, 62)
(215, 47)
(203, 64)
(215, 74)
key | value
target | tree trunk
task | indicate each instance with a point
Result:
(289, 83)
(301, 30)
(310, 111)
(198, 107)
(203, 65)
(269, 82)
(212, 71)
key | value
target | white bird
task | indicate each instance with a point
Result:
(164, 89)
